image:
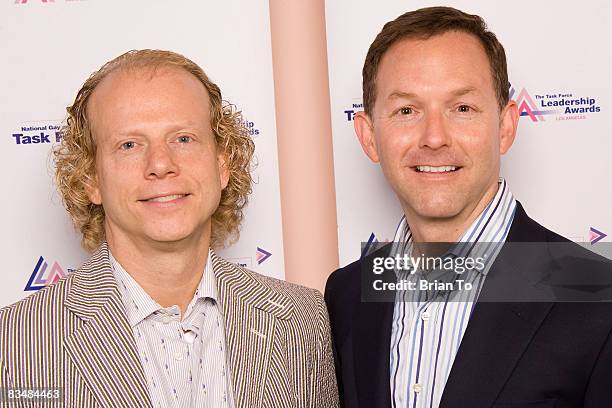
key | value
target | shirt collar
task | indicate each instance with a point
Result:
(489, 229)
(139, 305)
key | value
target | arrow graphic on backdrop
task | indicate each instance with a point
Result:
(262, 255)
(596, 235)
(37, 278)
(371, 242)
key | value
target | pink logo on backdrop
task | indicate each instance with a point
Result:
(43, 276)
(261, 255)
(528, 107)
(596, 235)
(564, 105)
(25, 1)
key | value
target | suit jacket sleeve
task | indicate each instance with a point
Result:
(324, 377)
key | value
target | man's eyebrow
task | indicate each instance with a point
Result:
(174, 128)
(410, 95)
(401, 95)
(464, 91)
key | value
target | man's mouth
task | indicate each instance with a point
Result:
(436, 169)
(164, 199)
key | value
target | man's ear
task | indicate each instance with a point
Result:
(92, 190)
(507, 126)
(224, 172)
(364, 128)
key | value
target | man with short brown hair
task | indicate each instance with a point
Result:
(437, 118)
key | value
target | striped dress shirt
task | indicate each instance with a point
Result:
(428, 325)
(184, 359)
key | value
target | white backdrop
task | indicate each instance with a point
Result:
(50, 48)
(558, 167)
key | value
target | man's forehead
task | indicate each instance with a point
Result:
(458, 56)
(116, 84)
(126, 75)
(127, 99)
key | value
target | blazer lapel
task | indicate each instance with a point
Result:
(251, 311)
(494, 341)
(499, 332)
(103, 348)
(371, 348)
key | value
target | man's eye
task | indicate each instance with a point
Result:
(406, 110)
(184, 139)
(128, 145)
(464, 109)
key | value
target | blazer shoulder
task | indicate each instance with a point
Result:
(559, 247)
(53, 295)
(39, 319)
(304, 300)
(292, 290)
(347, 280)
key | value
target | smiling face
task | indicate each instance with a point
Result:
(158, 175)
(436, 127)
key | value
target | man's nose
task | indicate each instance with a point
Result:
(435, 131)
(160, 161)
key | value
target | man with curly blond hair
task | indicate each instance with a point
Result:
(154, 170)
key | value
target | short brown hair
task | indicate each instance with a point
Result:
(75, 155)
(423, 24)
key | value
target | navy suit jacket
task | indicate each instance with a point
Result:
(513, 354)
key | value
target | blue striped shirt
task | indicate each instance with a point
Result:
(428, 326)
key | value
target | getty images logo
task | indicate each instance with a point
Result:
(25, 1)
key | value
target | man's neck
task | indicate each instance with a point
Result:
(169, 273)
(450, 229)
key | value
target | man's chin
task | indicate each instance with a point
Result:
(169, 238)
(437, 211)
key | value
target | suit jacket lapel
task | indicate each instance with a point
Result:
(498, 333)
(371, 345)
(496, 336)
(103, 348)
(251, 312)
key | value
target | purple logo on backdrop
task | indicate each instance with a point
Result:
(372, 240)
(40, 277)
(596, 235)
(43, 133)
(262, 255)
(565, 105)
(349, 113)
(250, 125)
(528, 107)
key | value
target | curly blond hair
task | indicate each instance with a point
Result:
(75, 155)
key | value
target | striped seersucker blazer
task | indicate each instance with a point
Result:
(75, 335)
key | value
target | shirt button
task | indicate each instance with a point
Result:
(416, 387)
(166, 319)
(189, 337)
(425, 316)
(178, 355)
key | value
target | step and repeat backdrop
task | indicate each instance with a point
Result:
(50, 47)
(559, 166)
